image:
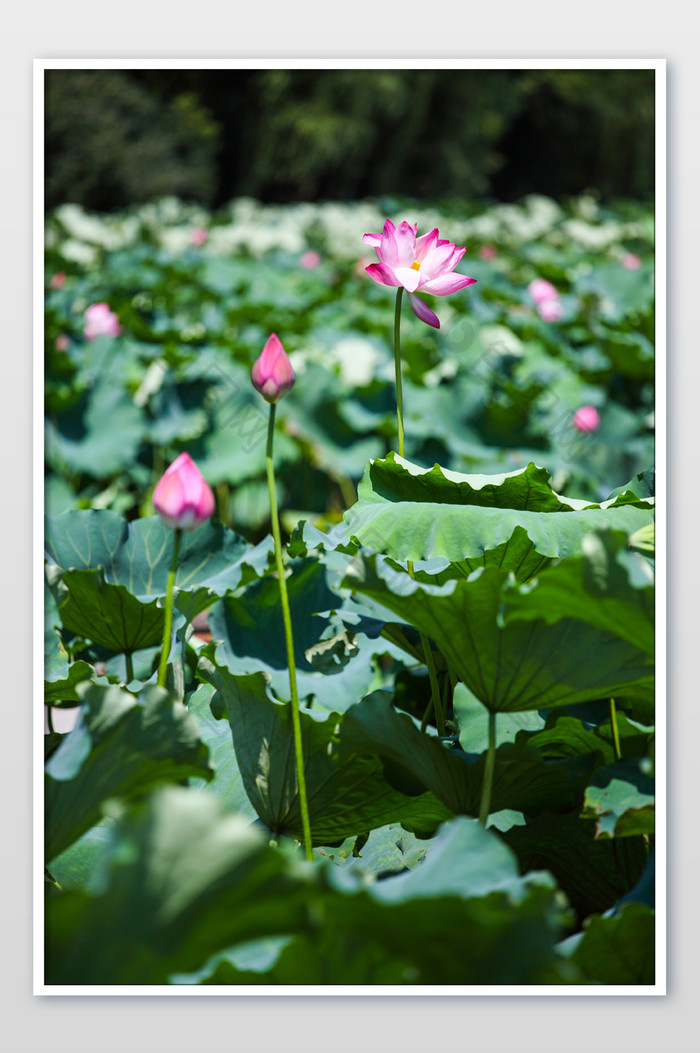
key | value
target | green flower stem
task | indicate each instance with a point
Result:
(287, 619)
(397, 364)
(425, 644)
(488, 772)
(49, 715)
(615, 732)
(129, 667)
(168, 628)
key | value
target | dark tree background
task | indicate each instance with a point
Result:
(122, 137)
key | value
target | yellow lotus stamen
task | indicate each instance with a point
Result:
(415, 266)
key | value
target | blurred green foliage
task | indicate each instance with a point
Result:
(121, 137)
(109, 140)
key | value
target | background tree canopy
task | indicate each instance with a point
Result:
(123, 137)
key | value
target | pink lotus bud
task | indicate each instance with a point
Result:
(272, 373)
(540, 289)
(199, 236)
(550, 310)
(487, 252)
(100, 321)
(631, 262)
(183, 498)
(586, 418)
(62, 343)
(58, 280)
(309, 260)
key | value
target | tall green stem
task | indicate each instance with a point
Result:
(615, 733)
(425, 643)
(488, 772)
(168, 628)
(397, 365)
(129, 664)
(287, 619)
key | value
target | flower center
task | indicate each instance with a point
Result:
(415, 266)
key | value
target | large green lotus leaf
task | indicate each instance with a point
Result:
(416, 762)
(416, 513)
(83, 865)
(587, 869)
(607, 586)
(61, 677)
(566, 736)
(618, 949)
(100, 435)
(122, 746)
(347, 795)
(193, 881)
(464, 916)
(513, 667)
(331, 663)
(216, 736)
(137, 555)
(108, 614)
(621, 800)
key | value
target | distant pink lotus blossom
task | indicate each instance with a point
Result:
(631, 262)
(586, 419)
(183, 498)
(425, 264)
(272, 372)
(540, 289)
(100, 321)
(547, 300)
(309, 260)
(58, 280)
(550, 310)
(62, 343)
(487, 252)
(199, 236)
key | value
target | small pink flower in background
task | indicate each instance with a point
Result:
(183, 498)
(547, 300)
(487, 252)
(272, 373)
(631, 262)
(100, 321)
(62, 342)
(550, 310)
(540, 289)
(309, 260)
(199, 236)
(58, 280)
(422, 264)
(586, 418)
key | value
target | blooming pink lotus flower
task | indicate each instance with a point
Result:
(100, 321)
(309, 260)
(631, 262)
(586, 418)
(425, 263)
(272, 373)
(199, 236)
(183, 498)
